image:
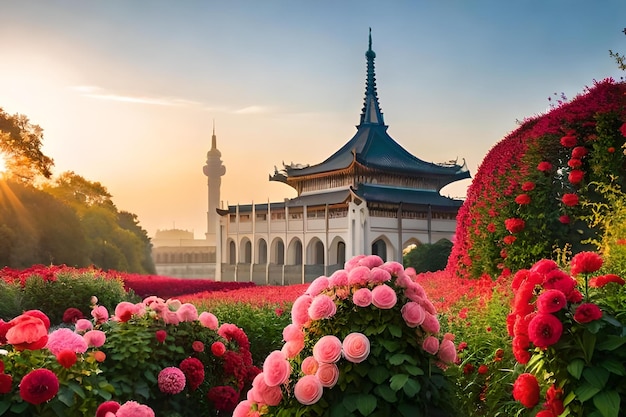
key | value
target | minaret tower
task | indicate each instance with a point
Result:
(214, 170)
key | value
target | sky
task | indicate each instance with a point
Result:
(129, 92)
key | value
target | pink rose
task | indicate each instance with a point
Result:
(430, 323)
(208, 320)
(309, 365)
(308, 390)
(125, 310)
(187, 313)
(100, 314)
(362, 297)
(243, 409)
(82, 325)
(447, 351)
(359, 275)
(292, 348)
(95, 338)
(27, 332)
(379, 275)
(263, 393)
(431, 345)
(322, 307)
(293, 332)
(384, 297)
(338, 278)
(356, 347)
(394, 268)
(318, 285)
(414, 291)
(300, 310)
(327, 349)
(276, 368)
(328, 374)
(413, 314)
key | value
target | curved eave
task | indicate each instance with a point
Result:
(410, 197)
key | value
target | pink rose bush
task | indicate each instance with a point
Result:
(570, 337)
(366, 339)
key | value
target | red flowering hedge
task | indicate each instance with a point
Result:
(539, 188)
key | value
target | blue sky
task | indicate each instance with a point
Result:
(127, 91)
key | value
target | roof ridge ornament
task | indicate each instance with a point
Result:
(371, 113)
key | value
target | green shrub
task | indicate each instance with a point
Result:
(429, 257)
(70, 289)
(10, 300)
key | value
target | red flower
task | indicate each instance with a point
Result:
(509, 239)
(468, 368)
(564, 219)
(526, 390)
(27, 332)
(544, 166)
(546, 413)
(528, 186)
(483, 369)
(225, 398)
(39, 386)
(499, 355)
(576, 176)
(602, 280)
(491, 227)
(514, 224)
(611, 150)
(160, 335)
(71, 315)
(579, 152)
(574, 163)
(569, 141)
(522, 199)
(585, 262)
(554, 401)
(6, 383)
(194, 372)
(218, 348)
(544, 330)
(462, 346)
(570, 199)
(197, 346)
(66, 358)
(107, 407)
(551, 301)
(587, 312)
(622, 129)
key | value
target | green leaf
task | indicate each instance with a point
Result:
(614, 366)
(66, 396)
(409, 410)
(4, 406)
(390, 345)
(386, 393)
(77, 389)
(412, 387)
(378, 374)
(366, 404)
(395, 330)
(589, 344)
(596, 376)
(397, 381)
(414, 370)
(400, 358)
(575, 368)
(607, 402)
(611, 342)
(586, 391)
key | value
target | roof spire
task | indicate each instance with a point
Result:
(371, 113)
(213, 138)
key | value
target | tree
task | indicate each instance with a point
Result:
(619, 59)
(21, 142)
(429, 257)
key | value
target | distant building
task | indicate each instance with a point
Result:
(176, 253)
(369, 197)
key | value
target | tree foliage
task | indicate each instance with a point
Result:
(428, 257)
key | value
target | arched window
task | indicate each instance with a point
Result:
(341, 253)
(280, 253)
(319, 253)
(232, 253)
(247, 252)
(379, 247)
(262, 251)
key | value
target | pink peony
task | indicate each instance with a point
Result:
(379, 275)
(447, 351)
(292, 348)
(62, 339)
(327, 349)
(384, 297)
(208, 320)
(82, 325)
(27, 332)
(187, 313)
(362, 297)
(317, 286)
(413, 314)
(243, 409)
(356, 347)
(338, 278)
(328, 374)
(293, 332)
(322, 307)
(300, 310)
(308, 390)
(95, 338)
(171, 380)
(100, 314)
(276, 369)
(309, 365)
(431, 345)
(134, 409)
(430, 323)
(197, 346)
(359, 275)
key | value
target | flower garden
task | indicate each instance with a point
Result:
(528, 318)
